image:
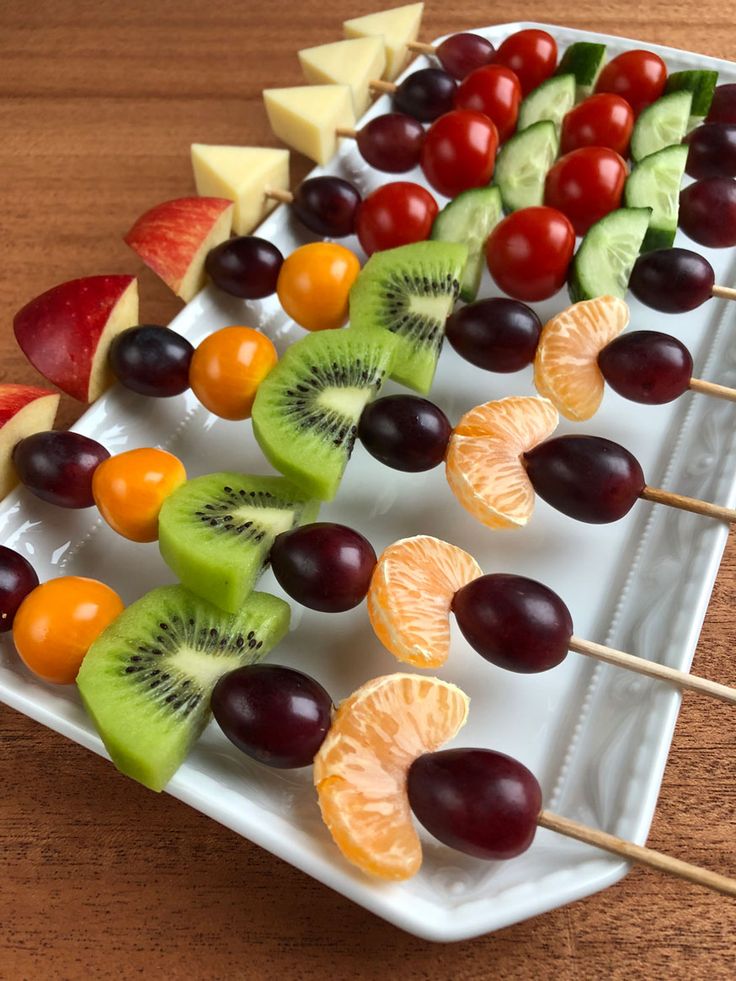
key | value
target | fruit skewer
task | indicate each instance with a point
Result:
(675, 281)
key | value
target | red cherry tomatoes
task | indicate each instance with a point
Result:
(637, 76)
(602, 120)
(585, 185)
(495, 91)
(531, 55)
(395, 214)
(459, 152)
(529, 251)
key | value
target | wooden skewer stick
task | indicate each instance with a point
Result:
(637, 853)
(653, 670)
(346, 132)
(420, 47)
(711, 388)
(378, 85)
(659, 496)
(277, 194)
(724, 292)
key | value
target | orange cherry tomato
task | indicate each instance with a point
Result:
(58, 622)
(314, 285)
(130, 488)
(227, 368)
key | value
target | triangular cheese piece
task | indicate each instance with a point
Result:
(397, 26)
(355, 62)
(241, 174)
(306, 117)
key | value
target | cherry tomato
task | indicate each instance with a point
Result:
(227, 368)
(585, 185)
(495, 91)
(531, 55)
(395, 214)
(314, 285)
(601, 120)
(59, 621)
(637, 76)
(529, 251)
(459, 152)
(131, 488)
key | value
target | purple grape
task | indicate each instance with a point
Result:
(426, 94)
(497, 334)
(392, 142)
(324, 566)
(586, 477)
(274, 714)
(708, 212)
(712, 151)
(477, 801)
(152, 360)
(672, 280)
(247, 267)
(17, 579)
(516, 623)
(58, 467)
(647, 366)
(405, 432)
(327, 206)
(723, 106)
(461, 54)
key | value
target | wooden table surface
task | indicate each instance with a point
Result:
(99, 100)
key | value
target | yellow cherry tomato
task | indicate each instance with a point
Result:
(130, 488)
(314, 285)
(58, 622)
(227, 368)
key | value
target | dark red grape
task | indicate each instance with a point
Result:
(461, 54)
(405, 432)
(426, 94)
(723, 106)
(152, 360)
(274, 714)
(586, 477)
(477, 801)
(712, 151)
(392, 142)
(647, 366)
(708, 212)
(672, 280)
(324, 566)
(17, 579)
(247, 267)
(58, 467)
(497, 334)
(327, 206)
(516, 623)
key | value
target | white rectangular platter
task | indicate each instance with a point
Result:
(596, 737)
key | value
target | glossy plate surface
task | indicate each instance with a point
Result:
(596, 737)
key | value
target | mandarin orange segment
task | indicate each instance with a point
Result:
(566, 365)
(484, 463)
(360, 771)
(410, 595)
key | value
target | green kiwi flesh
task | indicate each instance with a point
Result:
(410, 291)
(147, 679)
(306, 412)
(215, 532)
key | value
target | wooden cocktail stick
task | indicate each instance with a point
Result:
(637, 853)
(653, 670)
(384, 88)
(658, 496)
(711, 388)
(724, 292)
(278, 194)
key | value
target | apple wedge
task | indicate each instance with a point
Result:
(355, 62)
(66, 332)
(307, 116)
(24, 410)
(173, 240)
(242, 174)
(397, 26)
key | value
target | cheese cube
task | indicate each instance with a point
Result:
(355, 62)
(397, 27)
(306, 117)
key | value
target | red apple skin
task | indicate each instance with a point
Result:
(168, 237)
(13, 398)
(60, 330)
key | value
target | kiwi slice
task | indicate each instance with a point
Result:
(410, 291)
(215, 532)
(306, 412)
(147, 679)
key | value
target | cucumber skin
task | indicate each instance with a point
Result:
(574, 285)
(575, 60)
(490, 198)
(701, 82)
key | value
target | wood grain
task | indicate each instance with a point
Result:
(99, 100)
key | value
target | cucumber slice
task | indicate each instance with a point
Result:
(523, 163)
(584, 60)
(551, 100)
(701, 82)
(655, 183)
(603, 263)
(470, 218)
(662, 124)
